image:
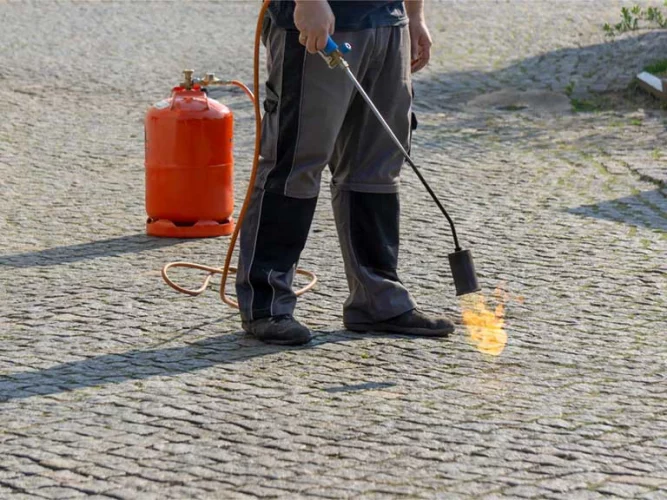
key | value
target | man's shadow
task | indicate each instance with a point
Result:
(139, 364)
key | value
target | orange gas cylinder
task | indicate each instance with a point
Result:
(189, 166)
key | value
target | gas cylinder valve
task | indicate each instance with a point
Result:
(189, 80)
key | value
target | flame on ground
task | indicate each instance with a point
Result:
(485, 325)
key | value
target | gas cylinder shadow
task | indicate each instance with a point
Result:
(135, 243)
(136, 364)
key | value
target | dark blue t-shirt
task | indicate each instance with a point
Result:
(351, 15)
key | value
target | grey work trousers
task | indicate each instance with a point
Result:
(315, 117)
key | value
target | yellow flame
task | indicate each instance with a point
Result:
(485, 325)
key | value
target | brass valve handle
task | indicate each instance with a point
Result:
(189, 80)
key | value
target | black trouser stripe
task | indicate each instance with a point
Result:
(283, 229)
(289, 112)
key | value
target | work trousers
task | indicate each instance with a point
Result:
(315, 117)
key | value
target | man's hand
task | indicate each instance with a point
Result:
(315, 22)
(420, 38)
(420, 45)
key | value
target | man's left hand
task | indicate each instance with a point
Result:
(420, 45)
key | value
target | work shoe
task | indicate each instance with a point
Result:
(413, 322)
(282, 330)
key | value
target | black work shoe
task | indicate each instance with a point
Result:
(282, 330)
(413, 322)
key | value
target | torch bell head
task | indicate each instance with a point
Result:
(463, 272)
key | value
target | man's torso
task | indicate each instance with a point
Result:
(351, 15)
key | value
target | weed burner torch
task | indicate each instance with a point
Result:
(460, 261)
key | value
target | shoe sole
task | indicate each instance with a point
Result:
(303, 341)
(414, 332)
(285, 342)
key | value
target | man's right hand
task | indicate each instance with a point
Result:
(315, 22)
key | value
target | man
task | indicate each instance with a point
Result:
(314, 117)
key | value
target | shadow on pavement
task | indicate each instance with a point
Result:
(85, 251)
(514, 104)
(581, 70)
(637, 210)
(143, 364)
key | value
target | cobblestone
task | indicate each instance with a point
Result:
(113, 386)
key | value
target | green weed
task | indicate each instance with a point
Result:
(650, 18)
(658, 68)
(585, 105)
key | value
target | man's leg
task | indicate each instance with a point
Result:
(304, 111)
(366, 167)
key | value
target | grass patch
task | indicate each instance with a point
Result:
(592, 105)
(658, 68)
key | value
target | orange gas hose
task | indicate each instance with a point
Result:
(251, 184)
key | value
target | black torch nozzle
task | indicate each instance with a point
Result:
(463, 272)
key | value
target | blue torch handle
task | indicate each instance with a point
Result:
(332, 47)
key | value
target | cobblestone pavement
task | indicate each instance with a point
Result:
(113, 385)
